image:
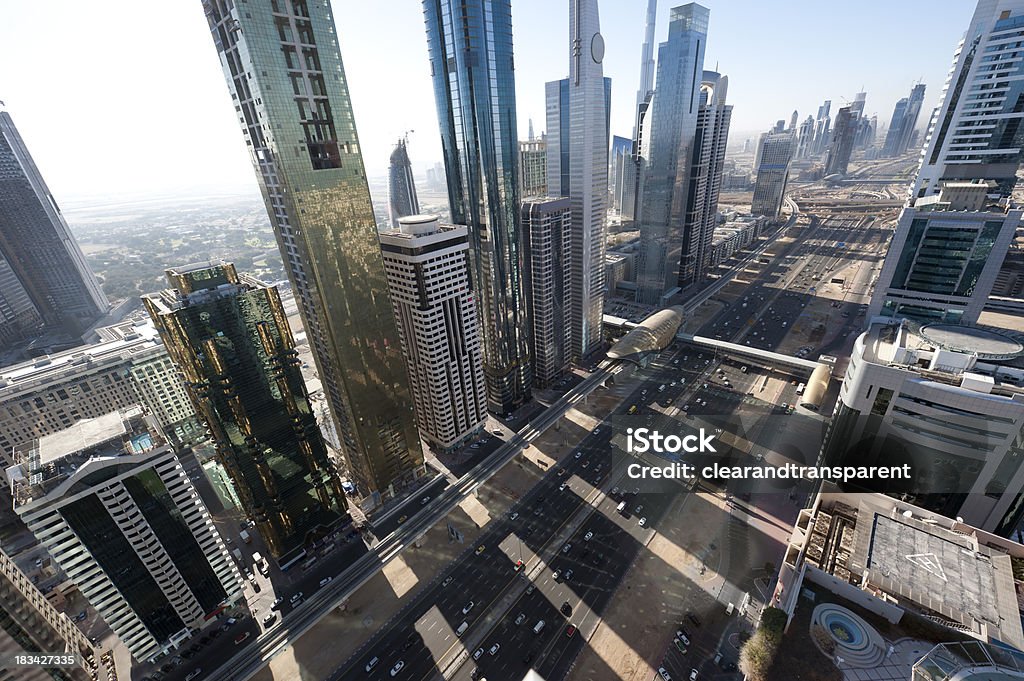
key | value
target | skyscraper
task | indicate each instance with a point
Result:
(634, 174)
(470, 48)
(805, 138)
(230, 339)
(822, 128)
(844, 134)
(773, 174)
(402, 199)
(968, 141)
(712, 136)
(428, 274)
(306, 154)
(109, 501)
(41, 265)
(589, 97)
(32, 625)
(547, 228)
(620, 158)
(665, 202)
(903, 123)
(533, 167)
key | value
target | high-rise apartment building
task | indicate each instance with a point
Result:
(111, 504)
(547, 228)
(805, 138)
(230, 339)
(903, 123)
(470, 48)
(975, 131)
(773, 174)
(712, 136)
(32, 625)
(129, 367)
(402, 198)
(822, 128)
(38, 252)
(665, 202)
(844, 134)
(283, 68)
(945, 399)
(945, 254)
(619, 159)
(428, 275)
(533, 167)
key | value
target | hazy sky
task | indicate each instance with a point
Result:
(123, 96)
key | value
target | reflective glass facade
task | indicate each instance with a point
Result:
(471, 63)
(283, 67)
(665, 208)
(231, 341)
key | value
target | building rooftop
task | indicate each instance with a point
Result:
(972, 340)
(86, 434)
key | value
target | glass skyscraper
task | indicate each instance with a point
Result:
(43, 274)
(402, 198)
(283, 68)
(665, 208)
(231, 342)
(470, 47)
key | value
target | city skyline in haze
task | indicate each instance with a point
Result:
(121, 109)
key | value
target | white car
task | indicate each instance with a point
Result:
(588, 536)
(577, 455)
(520, 618)
(681, 635)
(643, 521)
(478, 653)
(397, 668)
(513, 516)
(469, 606)
(494, 649)
(325, 581)
(693, 675)
(664, 674)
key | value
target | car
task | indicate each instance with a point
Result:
(679, 646)
(193, 674)
(513, 516)
(643, 521)
(475, 674)
(570, 630)
(568, 575)
(567, 548)
(588, 536)
(519, 566)
(475, 445)
(690, 615)
(693, 675)
(242, 638)
(530, 589)
(585, 463)
(269, 618)
(80, 616)
(639, 508)
(325, 581)
(478, 653)
(663, 673)
(469, 606)
(424, 501)
(681, 635)
(480, 549)
(497, 432)
(296, 597)
(561, 488)
(402, 519)
(447, 580)
(561, 472)
(555, 574)
(520, 618)
(615, 491)
(494, 649)
(577, 455)
(371, 664)
(397, 668)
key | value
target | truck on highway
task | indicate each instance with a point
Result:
(245, 536)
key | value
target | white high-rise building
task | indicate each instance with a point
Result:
(588, 175)
(547, 235)
(427, 266)
(111, 503)
(973, 134)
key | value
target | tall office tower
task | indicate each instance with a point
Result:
(966, 140)
(805, 138)
(533, 167)
(844, 134)
(428, 274)
(284, 71)
(621, 157)
(402, 199)
(19, 317)
(129, 367)
(773, 174)
(713, 118)
(111, 504)
(859, 102)
(945, 399)
(665, 201)
(633, 177)
(589, 97)
(945, 254)
(759, 148)
(32, 625)
(793, 119)
(530, 136)
(229, 337)
(547, 227)
(822, 128)
(470, 47)
(37, 246)
(556, 105)
(903, 123)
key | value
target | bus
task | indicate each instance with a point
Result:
(800, 388)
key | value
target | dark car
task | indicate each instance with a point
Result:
(566, 609)
(693, 618)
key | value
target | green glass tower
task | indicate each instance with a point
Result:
(287, 82)
(230, 339)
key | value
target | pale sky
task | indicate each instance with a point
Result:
(127, 97)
